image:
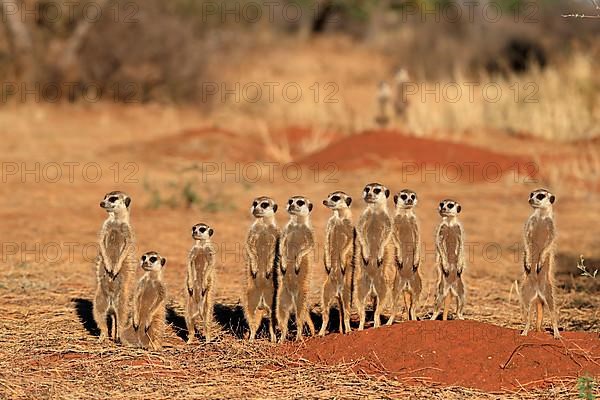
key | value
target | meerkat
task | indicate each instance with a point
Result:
(373, 234)
(297, 242)
(401, 103)
(199, 281)
(407, 245)
(115, 266)
(149, 302)
(262, 243)
(450, 258)
(538, 261)
(384, 94)
(339, 260)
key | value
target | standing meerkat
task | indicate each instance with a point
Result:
(407, 245)
(538, 261)
(339, 260)
(200, 281)
(149, 302)
(115, 266)
(262, 243)
(297, 244)
(373, 234)
(384, 94)
(450, 258)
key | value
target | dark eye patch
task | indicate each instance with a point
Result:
(403, 196)
(255, 204)
(202, 230)
(153, 259)
(143, 258)
(412, 196)
(540, 196)
(290, 201)
(376, 190)
(112, 199)
(300, 203)
(367, 189)
(335, 198)
(441, 205)
(264, 204)
(450, 206)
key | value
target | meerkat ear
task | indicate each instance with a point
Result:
(552, 199)
(396, 199)
(348, 201)
(210, 231)
(387, 193)
(310, 207)
(274, 207)
(127, 201)
(163, 261)
(458, 209)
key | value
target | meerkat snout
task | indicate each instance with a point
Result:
(375, 193)
(152, 261)
(298, 205)
(449, 208)
(541, 198)
(405, 199)
(115, 200)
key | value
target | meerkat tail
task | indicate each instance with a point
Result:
(447, 301)
(408, 304)
(540, 315)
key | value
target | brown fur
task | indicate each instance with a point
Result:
(199, 284)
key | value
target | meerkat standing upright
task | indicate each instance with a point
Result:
(149, 302)
(538, 261)
(373, 234)
(339, 260)
(384, 94)
(115, 266)
(261, 248)
(407, 244)
(450, 258)
(297, 242)
(200, 280)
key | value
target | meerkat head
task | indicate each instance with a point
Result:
(337, 201)
(299, 205)
(263, 207)
(375, 193)
(202, 232)
(116, 201)
(541, 198)
(449, 208)
(152, 261)
(405, 199)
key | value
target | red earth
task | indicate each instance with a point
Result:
(458, 353)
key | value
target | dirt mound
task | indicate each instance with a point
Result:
(460, 161)
(459, 353)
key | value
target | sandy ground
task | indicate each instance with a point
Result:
(161, 156)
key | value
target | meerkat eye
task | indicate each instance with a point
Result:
(290, 201)
(441, 205)
(143, 258)
(153, 259)
(531, 195)
(335, 198)
(202, 230)
(412, 196)
(300, 203)
(540, 196)
(450, 206)
(264, 204)
(376, 190)
(403, 196)
(367, 189)
(112, 199)
(255, 204)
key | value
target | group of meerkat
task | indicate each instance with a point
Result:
(138, 318)
(378, 259)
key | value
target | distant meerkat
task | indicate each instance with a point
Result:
(373, 234)
(339, 260)
(149, 302)
(450, 258)
(407, 245)
(261, 249)
(297, 244)
(384, 94)
(200, 281)
(115, 266)
(538, 261)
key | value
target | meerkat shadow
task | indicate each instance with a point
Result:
(85, 312)
(177, 323)
(232, 320)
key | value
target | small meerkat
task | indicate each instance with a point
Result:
(373, 234)
(115, 266)
(407, 245)
(149, 302)
(538, 261)
(384, 94)
(200, 281)
(262, 243)
(297, 244)
(450, 258)
(339, 260)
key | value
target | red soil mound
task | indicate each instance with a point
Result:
(459, 353)
(460, 161)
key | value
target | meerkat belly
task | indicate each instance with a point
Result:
(452, 241)
(374, 234)
(540, 237)
(264, 247)
(114, 243)
(147, 300)
(407, 240)
(200, 262)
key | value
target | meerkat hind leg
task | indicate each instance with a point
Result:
(408, 303)
(447, 301)
(539, 315)
(553, 313)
